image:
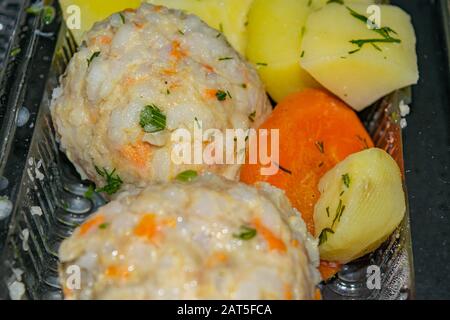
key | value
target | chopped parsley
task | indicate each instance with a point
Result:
(245, 233)
(323, 237)
(320, 146)
(384, 32)
(15, 51)
(339, 211)
(103, 226)
(336, 1)
(93, 56)
(122, 17)
(113, 181)
(48, 12)
(262, 64)
(226, 58)
(303, 54)
(186, 176)
(181, 32)
(283, 169)
(221, 95)
(89, 192)
(152, 119)
(346, 180)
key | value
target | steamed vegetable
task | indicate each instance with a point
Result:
(362, 202)
(92, 11)
(316, 131)
(318, 4)
(358, 64)
(227, 16)
(275, 30)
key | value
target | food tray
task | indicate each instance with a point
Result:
(39, 175)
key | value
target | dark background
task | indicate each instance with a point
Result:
(427, 153)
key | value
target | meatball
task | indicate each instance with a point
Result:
(140, 75)
(211, 238)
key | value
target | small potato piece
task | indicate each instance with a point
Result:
(91, 12)
(228, 16)
(359, 77)
(275, 30)
(319, 4)
(362, 202)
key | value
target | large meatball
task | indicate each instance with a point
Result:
(138, 67)
(209, 239)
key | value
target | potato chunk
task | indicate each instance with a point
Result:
(228, 16)
(275, 30)
(364, 71)
(362, 202)
(319, 4)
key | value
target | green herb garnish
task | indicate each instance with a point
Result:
(221, 95)
(385, 32)
(113, 181)
(48, 14)
(89, 192)
(328, 211)
(346, 180)
(323, 237)
(103, 226)
(122, 17)
(303, 54)
(226, 58)
(15, 51)
(320, 146)
(186, 176)
(336, 1)
(262, 64)
(152, 119)
(339, 211)
(246, 233)
(283, 168)
(94, 55)
(180, 32)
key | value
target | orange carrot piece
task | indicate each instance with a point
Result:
(137, 153)
(114, 271)
(177, 52)
(328, 269)
(318, 295)
(147, 227)
(210, 93)
(274, 243)
(316, 132)
(216, 259)
(91, 223)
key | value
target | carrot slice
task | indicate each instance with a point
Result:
(316, 131)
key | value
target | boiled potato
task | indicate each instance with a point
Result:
(318, 4)
(359, 75)
(228, 16)
(93, 11)
(362, 202)
(275, 29)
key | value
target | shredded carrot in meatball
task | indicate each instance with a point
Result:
(147, 227)
(177, 52)
(117, 272)
(216, 258)
(137, 153)
(274, 243)
(211, 93)
(91, 223)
